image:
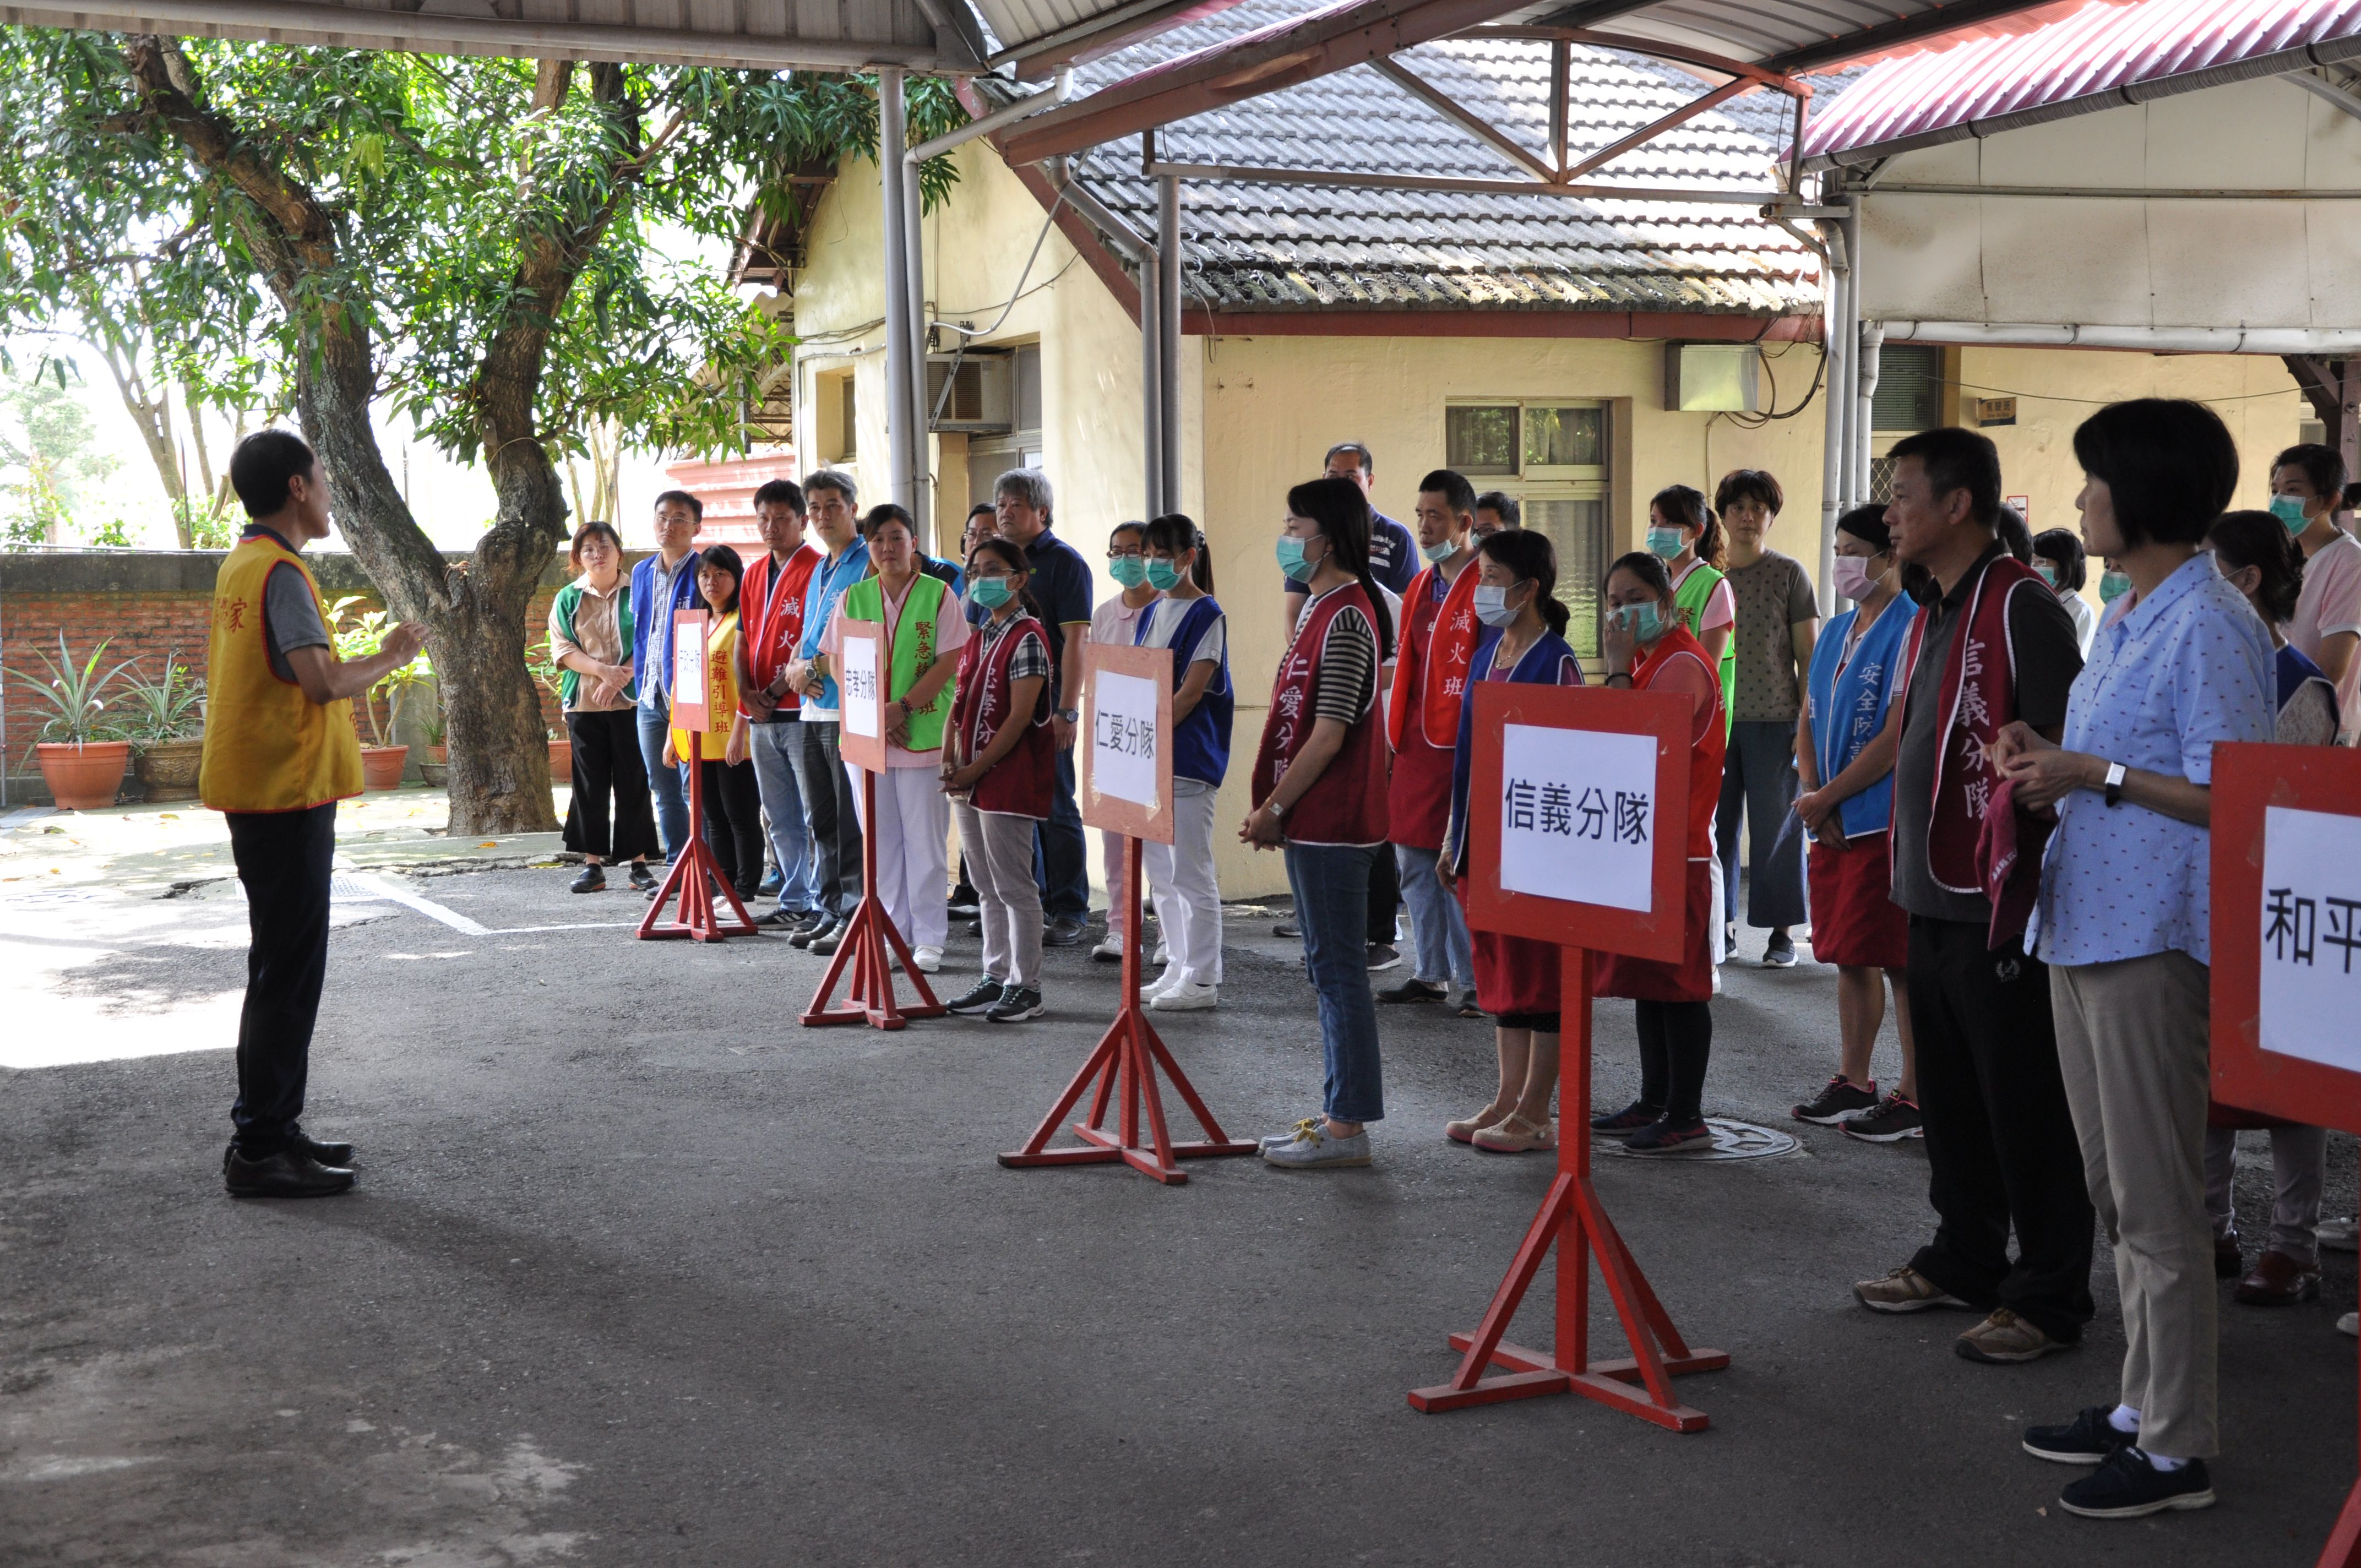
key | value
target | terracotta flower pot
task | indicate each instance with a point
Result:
(85, 777)
(437, 754)
(561, 761)
(168, 769)
(382, 766)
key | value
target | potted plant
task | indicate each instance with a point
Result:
(544, 668)
(167, 730)
(436, 769)
(360, 638)
(81, 749)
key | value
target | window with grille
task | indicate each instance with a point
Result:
(1909, 396)
(1551, 453)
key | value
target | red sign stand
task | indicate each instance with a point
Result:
(2249, 780)
(869, 942)
(697, 872)
(1571, 1216)
(1130, 1053)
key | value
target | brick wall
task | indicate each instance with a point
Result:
(150, 604)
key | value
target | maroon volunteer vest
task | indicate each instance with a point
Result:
(1976, 698)
(1349, 804)
(1019, 785)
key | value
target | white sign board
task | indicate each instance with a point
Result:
(2310, 975)
(858, 681)
(689, 664)
(1576, 810)
(1123, 737)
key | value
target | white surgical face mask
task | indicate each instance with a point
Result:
(1852, 578)
(1492, 606)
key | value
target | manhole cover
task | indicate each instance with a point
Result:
(1731, 1140)
(47, 898)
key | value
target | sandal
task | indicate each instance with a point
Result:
(1514, 1134)
(1465, 1131)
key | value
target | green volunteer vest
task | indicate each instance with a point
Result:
(914, 649)
(1690, 599)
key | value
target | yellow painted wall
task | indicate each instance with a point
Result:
(1259, 411)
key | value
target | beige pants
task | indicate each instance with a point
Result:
(2133, 1045)
(999, 849)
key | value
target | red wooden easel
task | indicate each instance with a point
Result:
(1573, 1218)
(869, 938)
(869, 942)
(1126, 1059)
(697, 872)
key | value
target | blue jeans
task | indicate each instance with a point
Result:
(770, 748)
(1061, 863)
(1440, 929)
(671, 785)
(1331, 883)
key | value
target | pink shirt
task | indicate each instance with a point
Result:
(2331, 603)
(950, 635)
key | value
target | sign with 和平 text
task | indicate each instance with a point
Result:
(2287, 931)
(1577, 818)
(1577, 810)
(1126, 741)
(860, 694)
(689, 710)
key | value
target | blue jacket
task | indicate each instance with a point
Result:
(1849, 709)
(1200, 742)
(828, 586)
(1547, 662)
(650, 620)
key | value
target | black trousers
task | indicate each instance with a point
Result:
(1675, 1044)
(284, 858)
(2000, 1148)
(607, 762)
(829, 815)
(733, 822)
(1384, 898)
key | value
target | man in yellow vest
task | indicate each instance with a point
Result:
(280, 751)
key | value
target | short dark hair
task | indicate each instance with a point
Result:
(1534, 559)
(2016, 534)
(260, 468)
(1176, 531)
(1502, 505)
(2243, 539)
(780, 493)
(981, 509)
(835, 483)
(2064, 546)
(721, 558)
(2323, 468)
(1868, 525)
(885, 513)
(682, 498)
(1362, 456)
(2168, 464)
(1452, 487)
(1749, 484)
(1644, 566)
(586, 532)
(1683, 506)
(1958, 459)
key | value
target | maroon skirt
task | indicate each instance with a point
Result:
(1855, 922)
(1652, 980)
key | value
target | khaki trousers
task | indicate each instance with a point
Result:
(2133, 1046)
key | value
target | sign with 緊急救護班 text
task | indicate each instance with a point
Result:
(2309, 986)
(1126, 758)
(1577, 813)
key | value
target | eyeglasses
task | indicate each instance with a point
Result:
(1121, 554)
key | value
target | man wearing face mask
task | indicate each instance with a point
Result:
(1439, 630)
(2307, 485)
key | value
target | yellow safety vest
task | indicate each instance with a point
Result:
(268, 746)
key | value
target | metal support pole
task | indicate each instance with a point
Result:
(1168, 356)
(1849, 491)
(922, 486)
(1838, 268)
(894, 174)
(1871, 340)
(1151, 383)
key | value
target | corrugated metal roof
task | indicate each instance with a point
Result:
(1296, 248)
(2106, 54)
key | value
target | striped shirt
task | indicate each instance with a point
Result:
(1348, 667)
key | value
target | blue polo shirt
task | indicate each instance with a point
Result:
(829, 581)
(1061, 585)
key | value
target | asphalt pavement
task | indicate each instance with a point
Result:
(640, 1271)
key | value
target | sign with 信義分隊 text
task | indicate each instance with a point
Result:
(1576, 811)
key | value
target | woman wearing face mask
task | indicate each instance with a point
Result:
(2057, 555)
(1320, 795)
(1117, 620)
(1000, 768)
(1687, 537)
(1524, 639)
(1647, 648)
(2114, 582)
(1844, 763)
(2264, 561)
(1188, 620)
(733, 801)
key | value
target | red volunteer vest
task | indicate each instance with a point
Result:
(772, 622)
(1020, 784)
(1976, 697)
(1438, 641)
(1705, 754)
(1347, 805)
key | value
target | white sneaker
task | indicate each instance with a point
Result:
(928, 959)
(1314, 1148)
(1717, 980)
(1110, 950)
(1163, 954)
(1186, 997)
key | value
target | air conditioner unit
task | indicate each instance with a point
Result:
(1711, 377)
(981, 400)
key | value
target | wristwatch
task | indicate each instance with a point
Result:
(1070, 714)
(2115, 784)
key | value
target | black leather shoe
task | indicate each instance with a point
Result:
(289, 1173)
(592, 880)
(642, 880)
(326, 1154)
(805, 936)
